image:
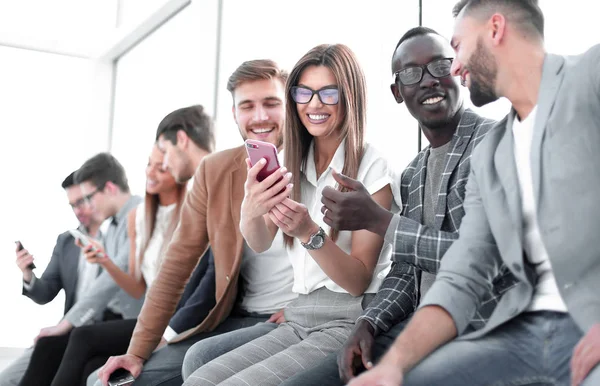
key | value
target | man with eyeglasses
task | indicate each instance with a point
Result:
(104, 184)
(432, 188)
(68, 270)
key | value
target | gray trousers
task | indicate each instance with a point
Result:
(164, 366)
(11, 376)
(316, 325)
(208, 349)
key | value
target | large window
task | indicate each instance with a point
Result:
(173, 67)
(47, 131)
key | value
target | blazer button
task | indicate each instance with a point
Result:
(517, 267)
(227, 277)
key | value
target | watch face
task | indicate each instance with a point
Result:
(318, 241)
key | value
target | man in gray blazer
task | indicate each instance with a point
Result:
(67, 270)
(531, 204)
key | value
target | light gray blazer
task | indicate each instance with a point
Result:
(565, 158)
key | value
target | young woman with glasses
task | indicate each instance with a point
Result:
(335, 273)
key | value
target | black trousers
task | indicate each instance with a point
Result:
(50, 351)
(90, 343)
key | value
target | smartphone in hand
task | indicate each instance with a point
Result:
(19, 249)
(83, 239)
(120, 377)
(259, 149)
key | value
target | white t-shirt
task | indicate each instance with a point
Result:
(546, 295)
(151, 260)
(267, 278)
(374, 174)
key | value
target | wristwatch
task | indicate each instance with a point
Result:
(316, 240)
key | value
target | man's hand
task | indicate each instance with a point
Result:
(357, 349)
(380, 375)
(24, 259)
(277, 317)
(129, 362)
(353, 210)
(60, 329)
(586, 355)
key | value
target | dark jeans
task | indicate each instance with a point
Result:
(95, 343)
(327, 374)
(164, 366)
(47, 355)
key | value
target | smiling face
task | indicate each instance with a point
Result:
(320, 119)
(158, 179)
(474, 62)
(259, 110)
(434, 100)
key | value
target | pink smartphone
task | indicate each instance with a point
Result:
(259, 149)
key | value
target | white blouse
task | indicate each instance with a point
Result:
(151, 260)
(375, 175)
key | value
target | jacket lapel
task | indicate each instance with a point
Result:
(460, 141)
(72, 256)
(236, 184)
(416, 189)
(552, 76)
(504, 162)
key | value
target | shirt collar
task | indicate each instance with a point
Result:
(130, 204)
(337, 162)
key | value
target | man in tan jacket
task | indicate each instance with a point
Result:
(210, 216)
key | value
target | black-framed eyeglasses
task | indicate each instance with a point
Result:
(328, 95)
(438, 68)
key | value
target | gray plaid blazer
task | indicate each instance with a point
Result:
(420, 248)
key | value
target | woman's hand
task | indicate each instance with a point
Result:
(261, 197)
(293, 219)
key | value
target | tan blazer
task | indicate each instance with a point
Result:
(210, 216)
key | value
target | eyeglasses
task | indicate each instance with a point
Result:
(88, 197)
(79, 203)
(412, 75)
(328, 95)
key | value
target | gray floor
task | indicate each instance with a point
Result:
(7, 355)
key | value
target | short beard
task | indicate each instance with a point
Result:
(483, 71)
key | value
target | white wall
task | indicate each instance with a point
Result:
(48, 131)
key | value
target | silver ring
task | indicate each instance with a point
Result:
(325, 213)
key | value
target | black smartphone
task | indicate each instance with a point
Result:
(120, 377)
(19, 249)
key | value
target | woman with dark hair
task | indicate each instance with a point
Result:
(335, 273)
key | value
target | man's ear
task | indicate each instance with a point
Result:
(110, 187)
(182, 139)
(396, 93)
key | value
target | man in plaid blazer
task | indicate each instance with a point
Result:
(431, 215)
